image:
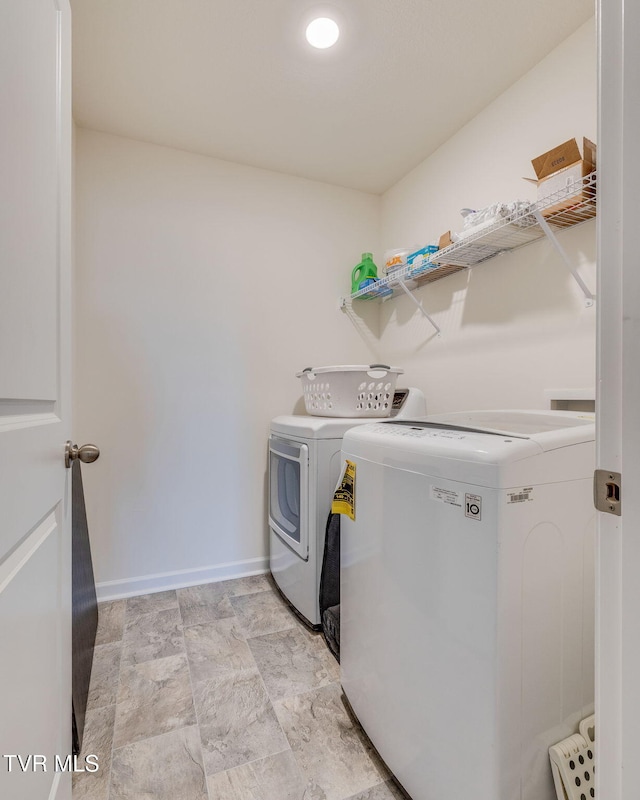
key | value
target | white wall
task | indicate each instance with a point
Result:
(201, 287)
(517, 324)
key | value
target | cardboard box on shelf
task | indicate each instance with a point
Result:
(559, 170)
(445, 240)
(440, 271)
(436, 273)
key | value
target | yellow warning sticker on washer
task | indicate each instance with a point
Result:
(344, 497)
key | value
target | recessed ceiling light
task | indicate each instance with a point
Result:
(322, 33)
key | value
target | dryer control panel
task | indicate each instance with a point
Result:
(408, 404)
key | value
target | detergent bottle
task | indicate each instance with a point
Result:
(366, 270)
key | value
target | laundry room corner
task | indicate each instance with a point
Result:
(518, 323)
(188, 336)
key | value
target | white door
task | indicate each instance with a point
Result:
(618, 605)
(35, 383)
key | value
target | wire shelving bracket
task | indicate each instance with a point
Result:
(588, 295)
(418, 303)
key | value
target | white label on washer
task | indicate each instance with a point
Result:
(447, 496)
(520, 495)
(473, 506)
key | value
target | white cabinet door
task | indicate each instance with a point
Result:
(618, 402)
(35, 347)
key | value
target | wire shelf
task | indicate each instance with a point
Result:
(573, 204)
(570, 206)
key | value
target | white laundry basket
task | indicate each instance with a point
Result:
(572, 763)
(349, 391)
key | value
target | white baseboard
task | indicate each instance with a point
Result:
(147, 584)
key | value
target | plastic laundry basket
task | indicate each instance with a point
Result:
(349, 391)
(572, 763)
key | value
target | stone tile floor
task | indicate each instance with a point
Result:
(219, 692)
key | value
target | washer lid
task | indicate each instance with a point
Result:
(549, 429)
(511, 448)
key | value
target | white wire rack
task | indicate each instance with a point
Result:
(572, 205)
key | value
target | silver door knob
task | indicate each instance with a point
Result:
(88, 453)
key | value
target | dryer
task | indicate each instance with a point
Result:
(304, 467)
(467, 597)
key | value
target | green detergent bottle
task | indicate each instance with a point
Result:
(365, 270)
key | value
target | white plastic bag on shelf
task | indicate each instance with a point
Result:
(475, 221)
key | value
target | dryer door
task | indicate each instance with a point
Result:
(289, 493)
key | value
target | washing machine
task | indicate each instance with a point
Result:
(467, 597)
(304, 467)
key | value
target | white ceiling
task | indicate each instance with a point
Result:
(235, 79)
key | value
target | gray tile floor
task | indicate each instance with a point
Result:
(218, 692)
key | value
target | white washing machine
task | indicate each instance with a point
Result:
(467, 597)
(304, 467)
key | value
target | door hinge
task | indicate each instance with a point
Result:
(607, 491)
